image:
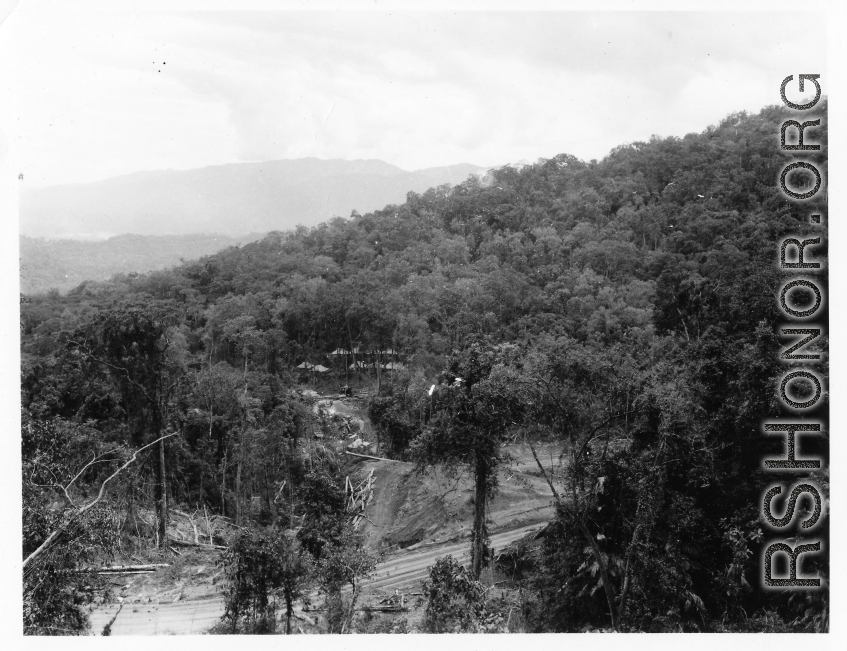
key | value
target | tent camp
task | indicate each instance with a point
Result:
(343, 351)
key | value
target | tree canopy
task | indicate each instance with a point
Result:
(623, 308)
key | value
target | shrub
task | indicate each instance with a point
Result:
(454, 600)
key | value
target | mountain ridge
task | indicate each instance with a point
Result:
(232, 199)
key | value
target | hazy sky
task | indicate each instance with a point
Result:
(98, 94)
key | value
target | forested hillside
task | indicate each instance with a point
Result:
(623, 309)
(63, 264)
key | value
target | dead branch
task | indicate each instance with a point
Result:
(304, 618)
(107, 629)
(546, 477)
(278, 493)
(79, 512)
(208, 526)
(96, 459)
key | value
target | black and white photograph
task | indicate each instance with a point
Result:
(409, 318)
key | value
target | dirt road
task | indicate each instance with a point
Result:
(425, 516)
(405, 570)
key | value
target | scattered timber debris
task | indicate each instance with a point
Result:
(395, 602)
(358, 497)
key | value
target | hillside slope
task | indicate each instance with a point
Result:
(64, 264)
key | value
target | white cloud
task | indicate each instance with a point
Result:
(106, 93)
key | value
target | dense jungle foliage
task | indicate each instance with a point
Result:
(625, 308)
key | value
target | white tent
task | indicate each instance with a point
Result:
(344, 351)
(394, 366)
(320, 369)
(306, 365)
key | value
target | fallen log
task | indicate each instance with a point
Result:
(303, 618)
(367, 456)
(124, 569)
(361, 609)
(185, 543)
(149, 566)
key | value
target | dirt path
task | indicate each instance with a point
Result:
(419, 517)
(405, 570)
(408, 570)
(182, 618)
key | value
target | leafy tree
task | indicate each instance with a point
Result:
(261, 569)
(396, 426)
(344, 563)
(473, 412)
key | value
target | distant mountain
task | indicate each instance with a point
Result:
(64, 264)
(233, 199)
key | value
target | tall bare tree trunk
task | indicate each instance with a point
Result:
(162, 497)
(352, 349)
(223, 482)
(348, 620)
(289, 611)
(239, 507)
(626, 575)
(478, 533)
(161, 490)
